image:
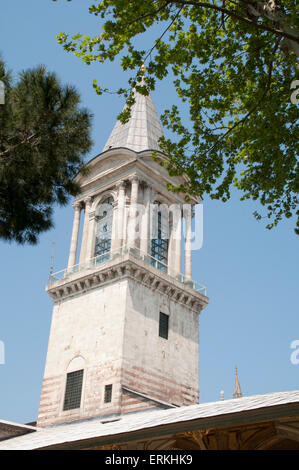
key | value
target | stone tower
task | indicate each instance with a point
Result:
(124, 332)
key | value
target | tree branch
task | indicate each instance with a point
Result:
(164, 32)
(233, 14)
(141, 18)
(24, 141)
(241, 121)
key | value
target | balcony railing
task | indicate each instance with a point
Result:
(132, 251)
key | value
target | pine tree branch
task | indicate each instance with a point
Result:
(24, 141)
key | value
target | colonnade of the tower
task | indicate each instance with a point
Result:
(132, 203)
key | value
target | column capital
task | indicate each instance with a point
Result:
(88, 201)
(147, 186)
(120, 184)
(134, 179)
(155, 195)
(77, 205)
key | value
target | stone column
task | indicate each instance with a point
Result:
(174, 250)
(188, 235)
(133, 212)
(75, 234)
(145, 222)
(87, 202)
(90, 243)
(125, 223)
(118, 217)
(170, 269)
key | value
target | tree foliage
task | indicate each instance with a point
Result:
(43, 137)
(233, 63)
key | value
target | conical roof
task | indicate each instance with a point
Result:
(143, 129)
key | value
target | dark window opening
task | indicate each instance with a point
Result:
(163, 325)
(108, 393)
(159, 248)
(73, 390)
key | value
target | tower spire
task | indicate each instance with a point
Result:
(237, 387)
(142, 131)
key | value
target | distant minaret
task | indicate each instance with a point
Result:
(237, 387)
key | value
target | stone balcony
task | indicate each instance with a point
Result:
(131, 263)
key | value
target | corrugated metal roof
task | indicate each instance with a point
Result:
(95, 428)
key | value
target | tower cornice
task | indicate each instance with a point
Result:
(128, 267)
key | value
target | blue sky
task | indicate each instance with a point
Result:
(251, 273)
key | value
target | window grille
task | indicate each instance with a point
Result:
(163, 325)
(104, 230)
(108, 393)
(159, 247)
(73, 390)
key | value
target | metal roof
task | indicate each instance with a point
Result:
(9, 429)
(222, 413)
(143, 129)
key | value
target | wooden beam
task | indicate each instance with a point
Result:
(287, 432)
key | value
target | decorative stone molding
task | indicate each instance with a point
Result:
(120, 184)
(130, 268)
(134, 179)
(91, 215)
(97, 198)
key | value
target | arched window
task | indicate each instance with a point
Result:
(74, 384)
(159, 244)
(104, 218)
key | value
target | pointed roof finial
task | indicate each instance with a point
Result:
(237, 387)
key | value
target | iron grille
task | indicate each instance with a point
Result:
(103, 247)
(108, 393)
(104, 229)
(163, 325)
(159, 248)
(72, 397)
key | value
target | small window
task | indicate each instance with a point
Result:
(73, 390)
(108, 393)
(163, 325)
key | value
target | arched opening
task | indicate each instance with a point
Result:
(159, 241)
(104, 217)
(74, 384)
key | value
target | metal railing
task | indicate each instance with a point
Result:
(136, 253)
